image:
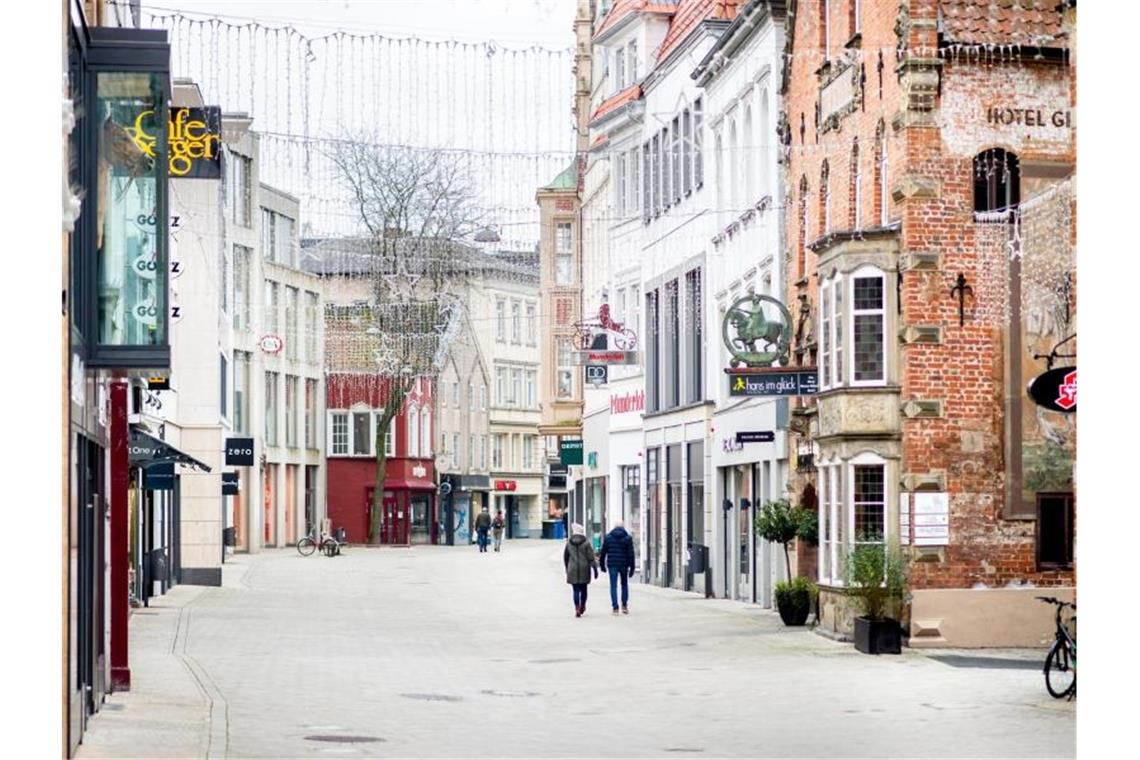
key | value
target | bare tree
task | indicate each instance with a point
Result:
(416, 206)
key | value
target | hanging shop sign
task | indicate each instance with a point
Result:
(558, 468)
(778, 382)
(604, 357)
(506, 485)
(597, 374)
(1056, 389)
(570, 451)
(193, 136)
(757, 331)
(159, 477)
(755, 436)
(230, 483)
(271, 344)
(239, 451)
(158, 383)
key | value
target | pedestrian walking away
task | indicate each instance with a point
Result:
(497, 526)
(482, 526)
(580, 562)
(617, 555)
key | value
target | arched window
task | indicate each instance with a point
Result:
(748, 159)
(856, 213)
(767, 138)
(802, 268)
(413, 433)
(824, 199)
(997, 180)
(733, 171)
(425, 433)
(882, 170)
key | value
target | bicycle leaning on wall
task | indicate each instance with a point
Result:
(1061, 662)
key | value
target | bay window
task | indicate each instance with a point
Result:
(868, 318)
(864, 322)
(852, 511)
(563, 253)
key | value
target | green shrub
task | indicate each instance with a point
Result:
(807, 525)
(875, 576)
(797, 588)
(776, 521)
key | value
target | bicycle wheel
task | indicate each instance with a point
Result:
(1060, 671)
(306, 546)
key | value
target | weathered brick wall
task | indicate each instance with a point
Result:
(931, 165)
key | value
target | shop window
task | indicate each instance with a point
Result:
(130, 231)
(1054, 531)
(997, 180)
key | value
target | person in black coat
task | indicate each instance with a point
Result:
(579, 561)
(617, 555)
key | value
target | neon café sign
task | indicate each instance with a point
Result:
(193, 136)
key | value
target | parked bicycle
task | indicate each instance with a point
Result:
(326, 543)
(1061, 662)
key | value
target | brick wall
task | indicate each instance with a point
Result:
(932, 165)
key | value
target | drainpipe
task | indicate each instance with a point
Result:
(727, 507)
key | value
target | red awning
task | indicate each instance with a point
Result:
(409, 484)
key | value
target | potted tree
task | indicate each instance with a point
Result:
(876, 577)
(778, 522)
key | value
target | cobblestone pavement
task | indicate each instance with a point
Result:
(443, 652)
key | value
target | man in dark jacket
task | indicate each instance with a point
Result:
(482, 525)
(617, 554)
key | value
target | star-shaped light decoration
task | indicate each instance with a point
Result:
(1014, 244)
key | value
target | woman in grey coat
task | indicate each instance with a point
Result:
(580, 562)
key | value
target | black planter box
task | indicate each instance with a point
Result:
(793, 609)
(878, 636)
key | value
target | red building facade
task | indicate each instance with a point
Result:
(409, 511)
(929, 157)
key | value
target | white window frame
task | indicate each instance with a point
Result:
(849, 323)
(531, 323)
(617, 178)
(355, 410)
(482, 452)
(458, 453)
(425, 433)
(866, 459)
(839, 334)
(858, 23)
(413, 432)
(332, 433)
(531, 384)
(500, 386)
(389, 436)
(500, 320)
(826, 371)
(483, 398)
(497, 451)
(516, 322)
(455, 393)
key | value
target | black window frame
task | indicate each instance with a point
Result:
(1044, 564)
(993, 191)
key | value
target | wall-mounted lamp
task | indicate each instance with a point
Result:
(962, 289)
(745, 503)
(727, 505)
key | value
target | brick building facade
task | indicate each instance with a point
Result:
(930, 152)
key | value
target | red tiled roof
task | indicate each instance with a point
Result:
(599, 141)
(631, 93)
(623, 8)
(1001, 22)
(689, 14)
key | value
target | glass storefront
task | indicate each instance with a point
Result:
(129, 238)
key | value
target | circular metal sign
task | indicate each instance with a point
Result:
(757, 331)
(271, 344)
(1056, 390)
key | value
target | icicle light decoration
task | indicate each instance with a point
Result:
(306, 93)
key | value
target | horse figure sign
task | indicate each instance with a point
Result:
(758, 340)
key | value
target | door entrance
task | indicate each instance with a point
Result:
(394, 528)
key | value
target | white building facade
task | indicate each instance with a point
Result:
(740, 78)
